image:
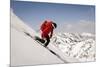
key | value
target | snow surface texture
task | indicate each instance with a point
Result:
(71, 47)
(77, 45)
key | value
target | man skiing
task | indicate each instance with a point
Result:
(47, 29)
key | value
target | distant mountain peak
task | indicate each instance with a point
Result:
(77, 45)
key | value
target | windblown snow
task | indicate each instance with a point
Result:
(72, 47)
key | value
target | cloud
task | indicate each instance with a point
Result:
(81, 26)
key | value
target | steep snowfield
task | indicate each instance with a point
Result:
(71, 47)
(24, 50)
(76, 45)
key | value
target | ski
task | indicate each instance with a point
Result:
(51, 51)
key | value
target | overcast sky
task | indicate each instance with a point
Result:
(69, 18)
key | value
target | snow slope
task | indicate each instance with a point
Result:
(71, 47)
(26, 51)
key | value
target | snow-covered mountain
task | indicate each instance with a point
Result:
(26, 51)
(71, 47)
(77, 45)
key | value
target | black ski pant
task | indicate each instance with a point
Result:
(43, 41)
(47, 41)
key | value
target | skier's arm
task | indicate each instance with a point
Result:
(43, 25)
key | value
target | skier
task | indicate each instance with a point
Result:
(47, 29)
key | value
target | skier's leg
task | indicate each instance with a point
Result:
(47, 41)
(39, 39)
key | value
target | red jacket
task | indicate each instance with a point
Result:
(47, 29)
